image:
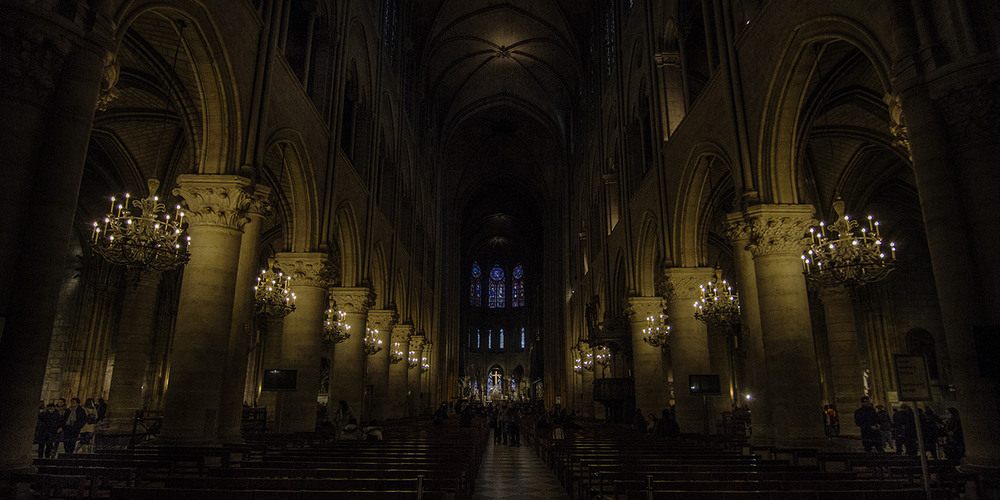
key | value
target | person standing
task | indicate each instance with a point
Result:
(954, 440)
(76, 417)
(906, 430)
(49, 422)
(867, 420)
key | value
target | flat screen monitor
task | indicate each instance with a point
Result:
(704, 385)
(279, 380)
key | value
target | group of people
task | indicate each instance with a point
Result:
(899, 430)
(664, 426)
(71, 425)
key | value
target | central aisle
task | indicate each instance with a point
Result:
(515, 472)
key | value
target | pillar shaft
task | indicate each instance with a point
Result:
(845, 354)
(132, 350)
(652, 392)
(216, 205)
(301, 343)
(397, 372)
(755, 384)
(413, 377)
(777, 242)
(383, 321)
(50, 86)
(689, 352)
(231, 406)
(347, 371)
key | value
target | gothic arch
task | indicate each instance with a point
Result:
(690, 208)
(350, 245)
(649, 256)
(380, 276)
(780, 141)
(208, 66)
(295, 189)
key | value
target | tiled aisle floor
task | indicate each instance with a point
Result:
(515, 473)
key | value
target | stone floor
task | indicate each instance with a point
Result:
(515, 473)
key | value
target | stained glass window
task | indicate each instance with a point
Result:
(522, 338)
(489, 340)
(477, 338)
(501, 339)
(517, 287)
(475, 287)
(496, 288)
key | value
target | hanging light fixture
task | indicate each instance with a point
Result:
(424, 365)
(657, 330)
(272, 295)
(719, 305)
(412, 361)
(335, 328)
(396, 355)
(602, 356)
(847, 253)
(148, 240)
(373, 344)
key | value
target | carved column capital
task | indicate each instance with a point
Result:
(357, 300)
(684, 283)
(834, 293)
(417, 341)
(260, 201)
(779, 229)
(305, 269)
(382, 319)
(737, 228)
(644, 307)
(215, 200)
(898, 123)
(401, 333)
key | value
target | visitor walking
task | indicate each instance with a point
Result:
(867, 420)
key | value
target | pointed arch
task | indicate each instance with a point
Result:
(777, 178)
(687, 239)
(649, 256)
(380, 276)
(349, 241)
(207, 64)
(294, 188)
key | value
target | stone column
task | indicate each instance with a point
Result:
(845, 355)
(413, 377)
(668, 62)
(587, 404)
(777, 242)
(216, 208)
(648, 364)
(50, 75)
(347, 370)
(755, 384)
(397, 372)
(382, 320)
(689, 351)
(301, 342)
(955, 140)
(132, 345)
(231, 405)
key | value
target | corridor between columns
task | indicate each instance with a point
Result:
(515, 472)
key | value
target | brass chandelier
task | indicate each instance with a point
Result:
(396, 355)
(335, 328)
(412, 361)
(847, 253)
(719, 305)
(272, 295)
(657, 330)
(148, 239)
(373, 344)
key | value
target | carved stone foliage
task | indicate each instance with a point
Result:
(737, 228)
(30, 62)
(644, 307)
(667, 58)
(305, 269)
(972, 112)
(215, 200)
(382, 319)
(357, 300)
(260, 202)
(779, 229)
(401, 333)
(685, 283)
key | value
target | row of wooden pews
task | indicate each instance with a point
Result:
(612, 462)
(414, 460)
